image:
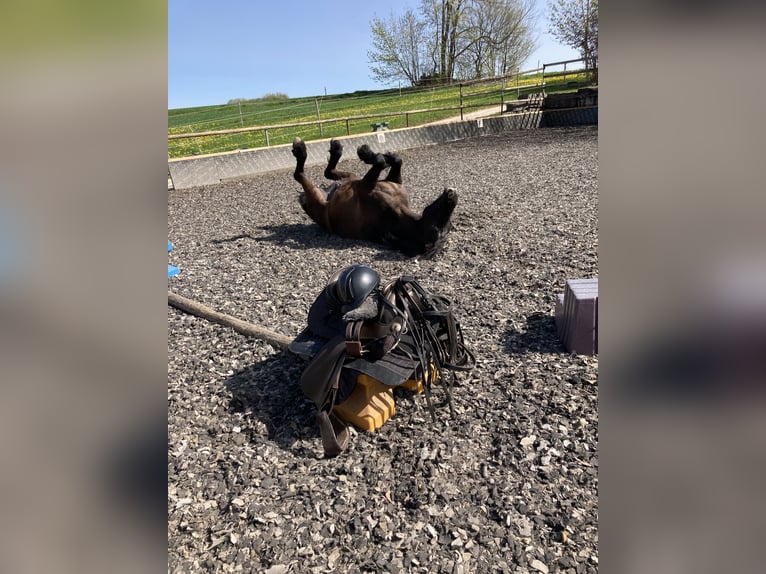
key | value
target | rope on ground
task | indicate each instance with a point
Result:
(243, 327)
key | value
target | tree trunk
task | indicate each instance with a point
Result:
(443, 41)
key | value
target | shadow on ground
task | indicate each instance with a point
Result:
(294, 236)
(539, 337)
(308, 236)
(269, 392)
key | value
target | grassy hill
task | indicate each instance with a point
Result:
(422, 105)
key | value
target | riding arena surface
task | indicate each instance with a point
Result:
(509, 484)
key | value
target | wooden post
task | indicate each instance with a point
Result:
(242, 327)
(348, 128)
(319, 119)
(266, 133)
(502, 96)
(461, 102)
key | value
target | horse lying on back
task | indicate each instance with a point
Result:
(372, 209)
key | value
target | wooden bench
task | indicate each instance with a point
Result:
(577, 316)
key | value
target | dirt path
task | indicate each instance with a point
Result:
(474, 115)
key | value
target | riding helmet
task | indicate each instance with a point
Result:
(349, 287)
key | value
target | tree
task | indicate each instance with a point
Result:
(397, 49)
(575, 24)
(443, 21)
(452, 39)
(500, 33)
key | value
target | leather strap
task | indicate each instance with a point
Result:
(334, 433)
(359, 332)
(320, 377)
(353, 336)
(319, 382)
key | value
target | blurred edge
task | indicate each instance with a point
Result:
(82, 306)
(683, 287)
(83, 318)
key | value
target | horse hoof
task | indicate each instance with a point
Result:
(450, 196)
(365, 153)
(336, 148)
(370, 157)
(392, 159)
(299, 148)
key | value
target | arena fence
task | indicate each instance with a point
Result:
(214, 168)
(384, 111)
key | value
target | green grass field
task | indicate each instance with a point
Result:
(421, 104)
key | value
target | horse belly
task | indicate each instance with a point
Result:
(345, 214)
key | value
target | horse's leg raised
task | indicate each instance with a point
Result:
(300, 153)
(313, 200)
(330, 172)
(395, 163)
(377, 163)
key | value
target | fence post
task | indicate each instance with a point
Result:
(319, 119)
(542, 80)
(502, 96)
(461, 102)
(266, 133)
(348, 129)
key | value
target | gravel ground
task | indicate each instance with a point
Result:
(509, 485)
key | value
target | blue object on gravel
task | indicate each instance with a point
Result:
(172, 269)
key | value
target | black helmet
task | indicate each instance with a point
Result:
(350, 286)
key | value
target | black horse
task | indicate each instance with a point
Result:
(373, 209)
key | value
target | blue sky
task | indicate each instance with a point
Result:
(245, 49)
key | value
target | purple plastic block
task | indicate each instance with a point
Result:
(562, 321)
(577, 316)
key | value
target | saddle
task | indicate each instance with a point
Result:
(392, 333)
